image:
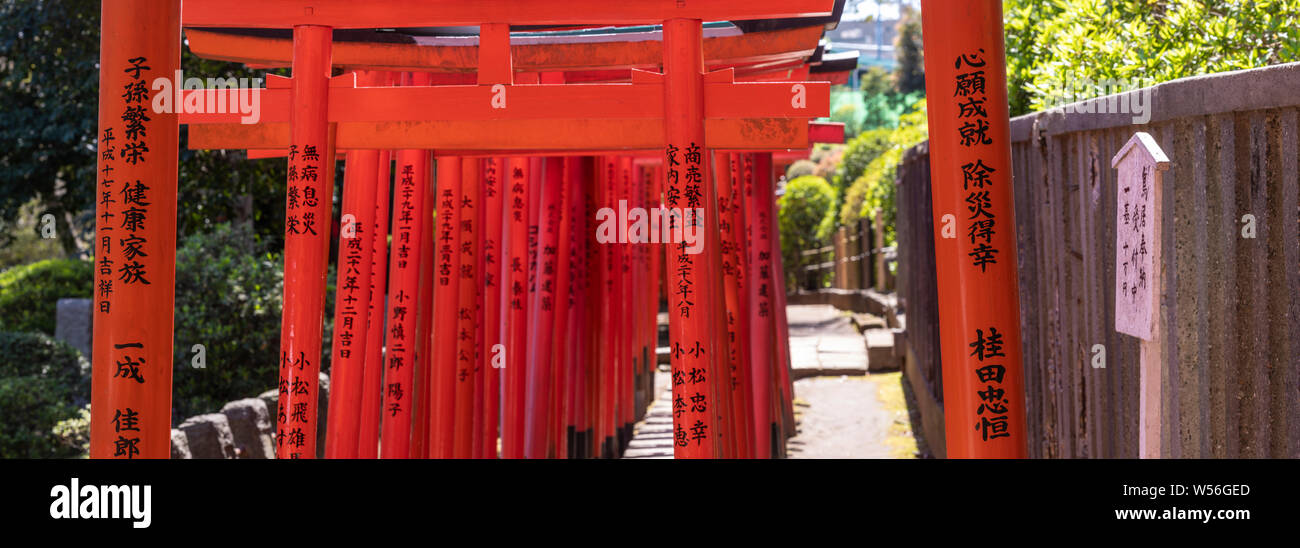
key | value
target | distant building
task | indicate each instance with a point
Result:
(868, 26)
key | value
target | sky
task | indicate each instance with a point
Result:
(888, 9)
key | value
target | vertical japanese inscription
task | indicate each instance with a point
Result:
(401, 314)
(133, 244)
(972, 129)
(684, 192)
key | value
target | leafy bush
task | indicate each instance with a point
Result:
(874, 189)
(42, 382)
(799, 169)
(74, 432)
(228, 298)
(1062, 42)
(29, 294)
(806, 219)
(862, 150)
(31, 405)
(36, 354)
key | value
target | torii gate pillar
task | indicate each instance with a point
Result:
(688, 188)
(970, 166)
(135, 232)
(306, 243)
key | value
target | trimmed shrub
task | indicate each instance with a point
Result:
(31, 406)
(29, 294)
(806, 219)
(36, 354)
(42, 382)
(799, 169)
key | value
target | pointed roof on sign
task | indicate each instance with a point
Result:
(1151, 152)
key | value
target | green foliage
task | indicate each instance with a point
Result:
(799, 169)
(909, 76)
(1061, 43)
(29, 294)
(874, 189)
(228, 298)
(876, 81)
(862, 150)
(49, 86)
(31, 406)
(25, 354)
(25, 242)
(74, 432)
(42, 382)
(805, 219)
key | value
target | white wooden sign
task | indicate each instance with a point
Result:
(1137, 275)
(1137, 235)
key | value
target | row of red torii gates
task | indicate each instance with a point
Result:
(496, 289)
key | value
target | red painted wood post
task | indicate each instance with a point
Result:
(409, 190)
(781, 386)
(688, 188)
(782, 337)
(608, 349)
(480, 331)
(588, 380)
(739, 181)
(423, 395)
(970, 151)
(623, 310)
(724, 408)
(372, 375)
(135, 253)
(640, 292)
(730, 222)
(495, 68)
(542, 311)
(446, 302)
(578, 171)
(466, 310)
(495, 281)
(306, 244)
(758, 212)
(562, 304)
(638, 231)
(516, 327)
(352, 303)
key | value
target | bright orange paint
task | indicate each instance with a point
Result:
(136, 226)
(970, 155)
(687, 187)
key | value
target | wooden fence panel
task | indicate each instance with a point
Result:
(1231, 302)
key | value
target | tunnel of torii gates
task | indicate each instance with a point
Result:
(498, 307)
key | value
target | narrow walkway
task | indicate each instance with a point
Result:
(823, 342)
(841, 412)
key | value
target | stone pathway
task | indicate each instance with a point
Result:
(840, 414)
(823, 342)
(653, 436)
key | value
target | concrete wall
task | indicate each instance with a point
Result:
(1231, 305)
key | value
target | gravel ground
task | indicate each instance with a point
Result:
(839, 418)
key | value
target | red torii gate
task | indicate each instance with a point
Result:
(314, 109)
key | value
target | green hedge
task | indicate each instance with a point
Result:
(31, 406)
(42, 382)
(23, 354)
(806, 218)
(29, 294)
